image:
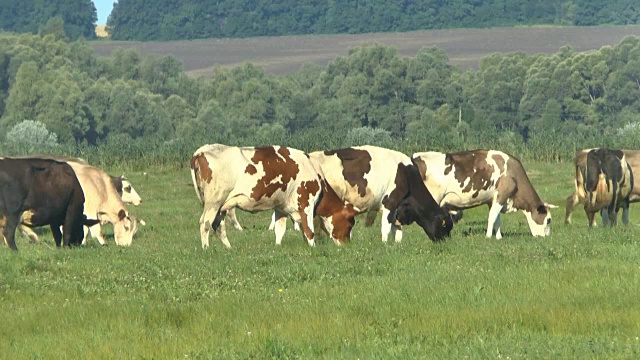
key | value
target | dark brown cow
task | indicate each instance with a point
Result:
(632, 157)
(263, 178)
(468, 179)
(373, 178)
(44, 192)
(604, 184)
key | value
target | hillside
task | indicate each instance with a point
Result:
(465, 47)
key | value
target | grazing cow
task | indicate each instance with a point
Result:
(467, 179)
(263, 178)
(103, 202)
(373, 178)
(605, 183)
(632, 158)
(41, 192)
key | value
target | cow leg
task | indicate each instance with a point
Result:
(606, 218)
(231, 214)
(96, 232)
(494, 216)
(272, 225)
(206, 223)
(496, 228)
(385, 226)
(306, 223)
(625, 213)
(57, 235)
(591, 218)
(9, 231)
(572, 201)
(279, 222)
(396, 232)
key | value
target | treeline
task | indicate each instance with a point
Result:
(543, 105)
(194, 19)
(77, 17)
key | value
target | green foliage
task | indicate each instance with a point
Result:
(30, 137)
(78, 17)
(192, 19)
(539, 107)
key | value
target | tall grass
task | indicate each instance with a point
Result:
(571, 295)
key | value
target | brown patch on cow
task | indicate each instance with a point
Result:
(305, 191)
(355, 165)
(471, 167)
(499, 161)
(422, 167)
(122, 214)
(251, 170)
(274, 166)
(341, 214)
(200, 166)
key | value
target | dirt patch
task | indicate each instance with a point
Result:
(101, 31)
(286, 54)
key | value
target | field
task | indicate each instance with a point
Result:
(572, 295)
(286, 54)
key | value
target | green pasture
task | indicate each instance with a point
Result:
(575, 294)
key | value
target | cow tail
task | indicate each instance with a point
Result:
(195, 178)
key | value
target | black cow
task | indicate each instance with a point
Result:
(41, 192)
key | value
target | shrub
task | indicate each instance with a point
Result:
(30, 137)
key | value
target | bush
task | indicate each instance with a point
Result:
(30, 137)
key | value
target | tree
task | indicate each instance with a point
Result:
(29, 137)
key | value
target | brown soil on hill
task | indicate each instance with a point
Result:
(285, 54)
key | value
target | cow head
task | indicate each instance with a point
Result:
(124, 227)
(436, 224)
(539, 219)
(340, 223)
(129, 194)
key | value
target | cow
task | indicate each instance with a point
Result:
(262, 178)
(632, 158)
(466, 179)
(103, 202)
(374, 178)
(39, 192)
(122, 186)
(604, 184)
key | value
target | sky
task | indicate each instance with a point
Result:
(104, 9)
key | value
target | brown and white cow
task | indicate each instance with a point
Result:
(263, 178)
(604, 182)
(632, 157)
(373, 178)
(467, 179)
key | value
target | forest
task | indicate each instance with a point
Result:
(193, 19)
(78, 17)
(145, 20)
(539, 106)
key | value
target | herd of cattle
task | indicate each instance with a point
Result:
(319, 190)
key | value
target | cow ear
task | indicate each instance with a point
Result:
(122, 214)
(542, 209)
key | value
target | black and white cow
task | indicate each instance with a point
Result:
(467, 179)
(374, 178)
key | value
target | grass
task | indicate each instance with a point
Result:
(572, 295)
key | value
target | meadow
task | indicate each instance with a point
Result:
(575, 294)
